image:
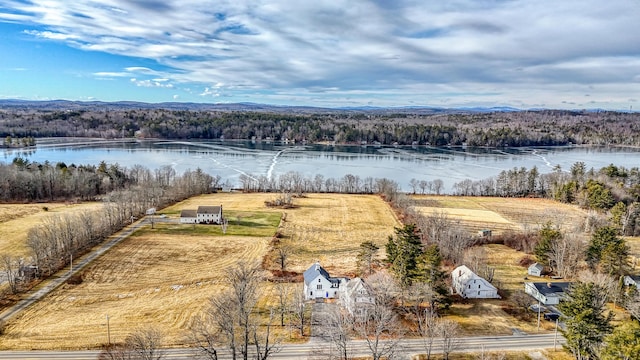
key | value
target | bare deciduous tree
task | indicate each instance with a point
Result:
(144, 344)
(338, 327)
(380, 328)
(11, 267)
(298, 310)
(449, 332)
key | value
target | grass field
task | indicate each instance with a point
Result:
(17, 219)
(501, 214)
(163, 276)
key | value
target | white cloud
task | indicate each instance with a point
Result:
(397, 52)
(151, 83)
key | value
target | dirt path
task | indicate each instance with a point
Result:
(63, 275)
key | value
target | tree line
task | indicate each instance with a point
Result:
(612, 190)
(497, 129)
(59, 238)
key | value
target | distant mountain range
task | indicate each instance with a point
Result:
(120, 105)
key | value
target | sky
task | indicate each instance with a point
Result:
(569, 54)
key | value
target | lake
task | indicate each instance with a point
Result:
(230, 159)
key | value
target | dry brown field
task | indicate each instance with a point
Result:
(162, 277)
(501, 214)
(17, 219)
(634, 247)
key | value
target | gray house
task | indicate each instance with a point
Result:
(632, 280)
(535, 269)
(548, 293)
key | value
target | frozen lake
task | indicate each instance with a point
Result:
(230, 159)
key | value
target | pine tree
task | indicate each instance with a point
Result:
(432, 274)
(608, 251)
(585, 322)
(403, 252)
(623, 343)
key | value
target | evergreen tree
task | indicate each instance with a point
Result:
(403, 252)
(623, 343)
(585, 322)
(431, 273)
(548, 236)
(608, 251)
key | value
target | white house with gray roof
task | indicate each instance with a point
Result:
(471, 286)
(548, 293)
(318, 284)
(203, 215)
(356, 296)
(632, 280)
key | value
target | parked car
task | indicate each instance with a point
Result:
(551, 316)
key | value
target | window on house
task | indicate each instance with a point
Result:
(478, 293)
(318, 280)
(478, 286)
(319, 287)
(469, 286)
(310, 293)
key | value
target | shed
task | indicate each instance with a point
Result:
(535, 269)
(484, 233)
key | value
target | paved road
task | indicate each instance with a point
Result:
(304, 351)
(63, 275)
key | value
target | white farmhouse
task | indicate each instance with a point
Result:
(471, 286)
(319, 285)
(356, 296)
(209, 214)
(203, 215)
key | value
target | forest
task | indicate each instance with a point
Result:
(495, 129)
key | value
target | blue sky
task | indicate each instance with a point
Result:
(333, 53)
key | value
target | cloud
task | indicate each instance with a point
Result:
(108, 74)
(152, 83)
(398, 51)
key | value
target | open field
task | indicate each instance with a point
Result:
(501, 214)
(163, 276)
(330, 228)
(634, 250)
(17, 219)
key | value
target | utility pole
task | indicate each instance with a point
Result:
(555, 337)
(538, 330)
(108, 332)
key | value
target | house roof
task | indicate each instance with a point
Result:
(355, 285)
(537, 266)
(315, 270)
(463, 273)
(209, 209)
(188, 213)
(634, 278)
(551, 288)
